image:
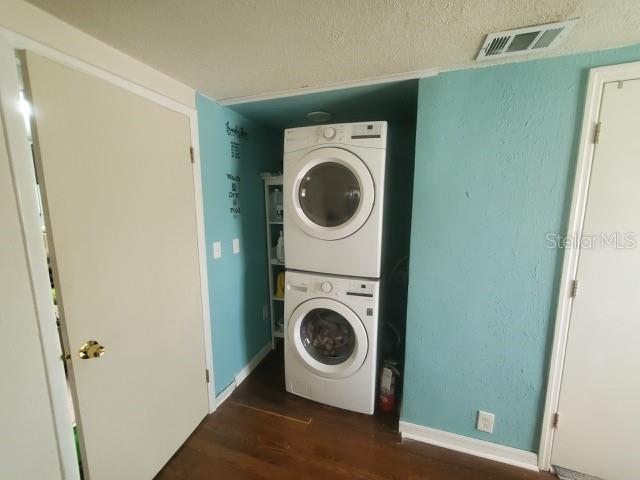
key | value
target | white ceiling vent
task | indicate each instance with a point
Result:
(524, 40)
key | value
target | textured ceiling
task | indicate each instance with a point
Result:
(235, 48)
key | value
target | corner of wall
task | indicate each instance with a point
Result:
(232, 151)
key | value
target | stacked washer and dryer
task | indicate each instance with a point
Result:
(334, 178)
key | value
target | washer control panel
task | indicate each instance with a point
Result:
(360, 288)
(335, 288)
(359, 294)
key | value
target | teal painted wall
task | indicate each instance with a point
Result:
(238, 284)
(495, 160)
(392, 102)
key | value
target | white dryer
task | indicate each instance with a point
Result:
(331, 339)
(333, 198)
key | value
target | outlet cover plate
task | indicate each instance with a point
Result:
(485, 421)
(217, 250)
(236, 245)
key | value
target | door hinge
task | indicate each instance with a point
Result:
(596, 133)
(206, 375)
(574, 288)
(192, 155)
(556, 420)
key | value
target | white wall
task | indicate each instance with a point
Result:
(35, 24)
(28, 446)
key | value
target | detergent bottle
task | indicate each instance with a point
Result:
(280, 248)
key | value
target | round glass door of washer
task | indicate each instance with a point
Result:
(328, 337)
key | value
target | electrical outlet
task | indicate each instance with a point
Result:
(265, 312)
(217, 250)
(485, 421)
(236, 245)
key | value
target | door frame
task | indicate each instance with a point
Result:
(23, 178)
(598, 77)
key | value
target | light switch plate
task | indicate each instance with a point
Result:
(217, 250)
(236, 245)
(485, 421)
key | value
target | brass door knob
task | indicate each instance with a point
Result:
(91, 349)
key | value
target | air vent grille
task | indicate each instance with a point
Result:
(524, 40)
(497, 45)
(547, 37)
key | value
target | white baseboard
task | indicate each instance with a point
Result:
(243, 373)
(472, 446)
(253, 363)
(226, 393)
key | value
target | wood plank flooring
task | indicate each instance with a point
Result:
(261, 432)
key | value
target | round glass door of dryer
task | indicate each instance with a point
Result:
(329, 194)
(328, 337)
(333, 193)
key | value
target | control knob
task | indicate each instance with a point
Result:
(326, 287)
(329, 133)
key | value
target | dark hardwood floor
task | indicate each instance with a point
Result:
(262, 432)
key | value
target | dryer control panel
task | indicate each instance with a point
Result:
(364, 134)
(366, 130)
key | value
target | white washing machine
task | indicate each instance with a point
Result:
(331, 339)
(333, 198)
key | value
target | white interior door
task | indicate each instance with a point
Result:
(119, 195)
(599, 428)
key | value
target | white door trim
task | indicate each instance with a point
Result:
(23, 173)
(20, 42)
(202, 255)
(597, 79)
